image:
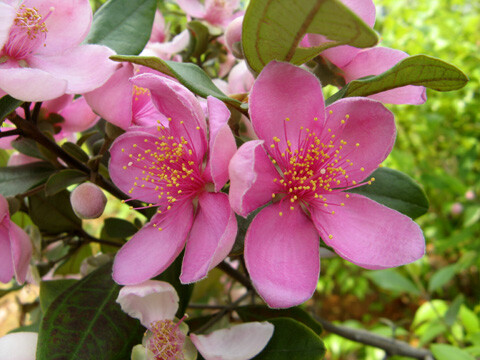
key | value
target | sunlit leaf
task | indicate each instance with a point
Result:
(449, 352)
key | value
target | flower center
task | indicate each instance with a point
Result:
(165, 340)
(27, 33)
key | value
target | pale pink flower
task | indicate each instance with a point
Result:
(155, 304)
(41, 55)
(15, 247)
(356, 63)
(18, 346)
(233, 37)
(174, 166)
(306, 157)
(216, 12)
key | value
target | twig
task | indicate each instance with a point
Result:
(10, 133)
(391, 346)
(36, 112)
(90, 238)
(206, 306)
(234, 273)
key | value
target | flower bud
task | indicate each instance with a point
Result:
(233, 37)
(88, 201)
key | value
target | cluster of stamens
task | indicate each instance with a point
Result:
(30, 20)
(166, 340)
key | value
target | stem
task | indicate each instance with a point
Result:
(90, 238)
(10, 133)
(234, 273)
(36, 112)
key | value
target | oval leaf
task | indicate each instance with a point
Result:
(449, 352)
(272, 30)
(63, 179)
(123, 25)
(418, 70)
(397, 191)
(119, 228)
(85, 322)
(392, 280)
(8, 104)
(75, 151)
(292, 340)
(16, 180)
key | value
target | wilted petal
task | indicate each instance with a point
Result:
(282, 255)
(240, 342)
(284, 91)
(18, 346)
(367, 233)
(149, 301)
(150, 251)
(211, 238)
(252, 176)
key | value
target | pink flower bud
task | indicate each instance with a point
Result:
(469, 195)
(233, 37)
(456, 208)
(88, 201)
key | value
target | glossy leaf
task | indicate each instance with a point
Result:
(418, 70)
(8, 104)
(123, 25)
(189, 75)
(264, 313)
(50, 290)
(396, 190)
(392, 280)
(119, 228)
(272, 30)
(16, 180)
(53, 214)
(292, 340)
(63, 179)
(75, 151)
(85, 322)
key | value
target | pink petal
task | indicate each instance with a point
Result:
(17, 159)
(376, 60)
(176, 102)
(113, 100)
(31, 84)
(233, 33)
(68, 24)
(367, 233)
(240, 79)
(85, 67)
(211, 238)
(149, 301)
(370, 125)
(284, 91)
(164, 49)
(158, 28)
(282, 255)
(3, 207)
(150, 251)
(6, 264)
(193, 8)
(78, 116)
(240, 342)
(18, 346)
(7, 15)
(21, 248)
(252, 177)
(58, 104)
(221, 143)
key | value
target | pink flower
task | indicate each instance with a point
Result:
(173, 166)
(15, 247)
(306, 157)
(356, 63)
(216, 12)
(155, 304)
(41, 57)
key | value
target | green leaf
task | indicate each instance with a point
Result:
(452, 312)
(63, 179)
(292, 340)
(449, 352)
(8, 104)
(264, 313)
(85, 322)
(441, 277)
(119, 228)
(28, 147)
(189, 75)
(74, 261)
(200, 36)
(123, 25)
(53, 214)
(396, 190)
(16, 180)
(76, 151)
(4, 292)
(418, 70)
(272, 30)
(392, 280)
(50, 290)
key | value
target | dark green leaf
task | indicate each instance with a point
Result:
(392, 280)
(396, 190)
(8, 104)
(190, 75)
(76, 151)
(28, 147)
(16, 180)
(85, 322)
(200, 36)
(292, 340)
(418, 70)
(123, 25)
(272, 30)
(74, 261)
(50, 290)
(53, 214)
(63, 179)
(119, 228)
(264, 313)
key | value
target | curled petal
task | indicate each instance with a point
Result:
(252, 176)
(149, 301)
(282, 255)
(367, 233)
(211, 238)
(18, 346)
(240, 342)
(150, 251)
(21, 251)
